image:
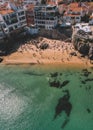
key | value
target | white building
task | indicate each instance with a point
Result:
(45, 16)
(73, 14)
(31, 1)
(12, 18)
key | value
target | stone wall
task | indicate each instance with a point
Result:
(62, 34)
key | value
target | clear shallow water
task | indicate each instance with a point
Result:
(27, 102)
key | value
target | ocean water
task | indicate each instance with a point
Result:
(28, 101)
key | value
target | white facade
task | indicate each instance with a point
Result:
(72, 19)
(13, 20)
(45, 17)
(21, 16)
(31, 1)
(73, 16)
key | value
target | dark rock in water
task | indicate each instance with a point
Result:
(87, 80)
(54, 74)
(88, 87)
(63, 105)
(1, 59)
(86, 72)
(64, 83)
(91, 79)
(33, 74)
(88, 110)
(65, 123)
(83, 82)
(55, 84)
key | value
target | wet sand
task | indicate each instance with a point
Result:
(58, 52)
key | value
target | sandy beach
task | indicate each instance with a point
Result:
(58, 52)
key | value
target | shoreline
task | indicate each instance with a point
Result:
(58, 52)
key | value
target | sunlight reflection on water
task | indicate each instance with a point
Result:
(11, 105)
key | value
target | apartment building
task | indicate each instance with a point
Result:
(73, 14)
(12, 18)
(31, 1)
(29, 14)
(2, 1)
(46, 16)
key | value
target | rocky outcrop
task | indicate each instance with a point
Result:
(83, 43)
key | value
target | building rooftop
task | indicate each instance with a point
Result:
(4, 12)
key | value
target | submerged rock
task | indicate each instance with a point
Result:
(55, 84)
(86, 72)
(83, 82)
(63, 105)
(89, 79)
(65, 123)
(88, 110)
(33, 73)
(64, 83)
(54, 74)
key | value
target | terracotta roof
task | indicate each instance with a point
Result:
(71, 15)
(51, 3)
(4, 6)
(30, 6)
(73, 5)
(4, 12)
(75, 9)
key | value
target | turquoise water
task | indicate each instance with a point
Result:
(27, 102)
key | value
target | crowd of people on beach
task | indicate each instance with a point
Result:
(34, 45)
(57, 51)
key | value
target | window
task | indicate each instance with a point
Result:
(15, 26)
(10, 29)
